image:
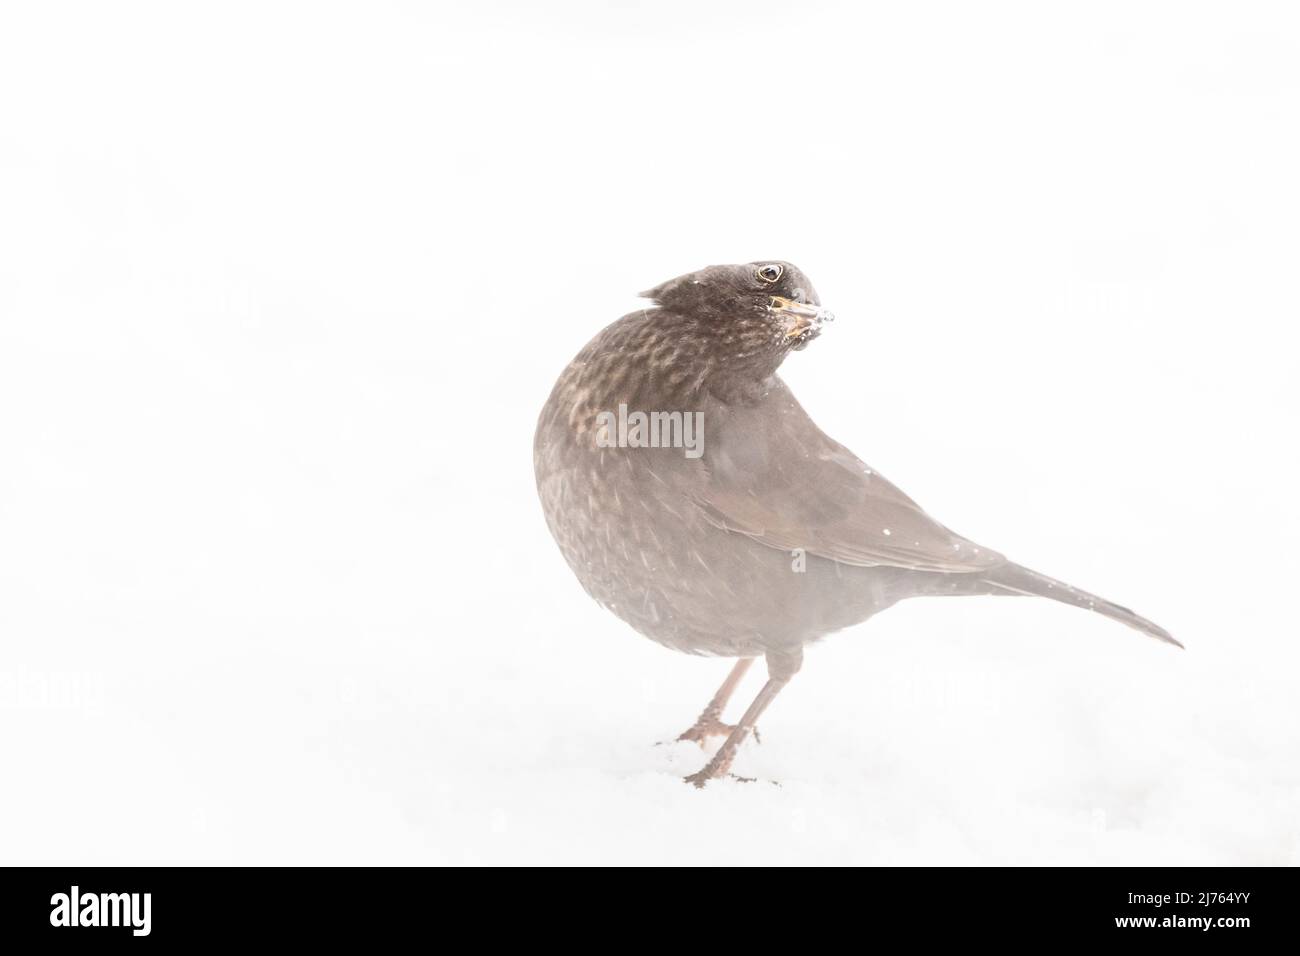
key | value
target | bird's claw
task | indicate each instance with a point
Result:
(704, 729)
(701, 777)
(698, 780)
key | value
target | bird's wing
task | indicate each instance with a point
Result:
(770, 473)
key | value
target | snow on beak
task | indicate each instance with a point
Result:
(803, 319)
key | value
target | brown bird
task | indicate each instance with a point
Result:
(693, 496)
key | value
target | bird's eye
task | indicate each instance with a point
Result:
(770, 273)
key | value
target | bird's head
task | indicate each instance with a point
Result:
(766, 307)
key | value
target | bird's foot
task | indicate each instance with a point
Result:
(707, 727)
(698, 780)
(720, 765)
(701, 777)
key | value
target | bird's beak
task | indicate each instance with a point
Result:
(802, 318)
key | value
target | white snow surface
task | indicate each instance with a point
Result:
(283, 287)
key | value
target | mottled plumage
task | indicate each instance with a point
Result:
(776, 535)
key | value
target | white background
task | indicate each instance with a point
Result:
(282, 289)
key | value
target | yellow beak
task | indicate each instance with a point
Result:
(802, 316)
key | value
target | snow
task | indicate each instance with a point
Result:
(283, 289)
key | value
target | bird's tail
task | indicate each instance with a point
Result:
(1019, 580)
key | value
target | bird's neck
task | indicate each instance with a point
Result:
(689, 360)
(655, 361)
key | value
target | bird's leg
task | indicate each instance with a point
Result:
(780, 668)
(710, 722)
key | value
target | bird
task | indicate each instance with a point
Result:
(694, 498)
